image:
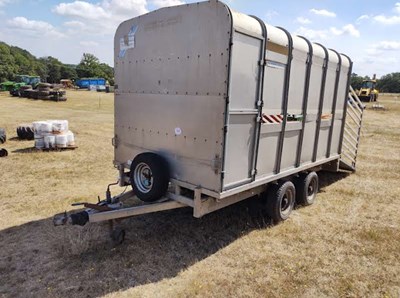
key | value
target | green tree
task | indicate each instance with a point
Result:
(90, 66)
(389, 83)
(356, 81)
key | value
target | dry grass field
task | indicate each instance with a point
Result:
(346, 245)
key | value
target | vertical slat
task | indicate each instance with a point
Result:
(260, 102)
(305, 100)
(285, 101)
(335, 95)
(321, 102)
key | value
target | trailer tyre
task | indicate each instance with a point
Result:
(306, 189)
(3, 136)
(149, 176)
(280, 200)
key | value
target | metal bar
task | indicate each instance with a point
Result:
(353, 98)
(228, 89)
(345, 103)
(354, 135)
(335, 95)
(353, 117)
(360, 104)
(260, 102)
(243, 112)
(128, 212)
(351, 150)
(353, 110)
(350, 143)
(285, 100)
(180, 199)
(274, 177)
(349, 157)
(305, 101)
(321, 102)
(208, 205)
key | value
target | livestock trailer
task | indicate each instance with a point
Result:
(213, 106)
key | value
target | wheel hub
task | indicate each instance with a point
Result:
(143, 177)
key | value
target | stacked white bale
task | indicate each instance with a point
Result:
(53, 134)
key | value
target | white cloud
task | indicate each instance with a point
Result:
(102, 17)
(348, 29)
(390, 20)
(388, 45)
(74, 24)
(302, 20)
(163, 3)
(271, 14)
(312, 34)
(4, 2)
(81, 9)
(383, 46)
(323, 12)
(88, 43)
(33, 27)
(397, 7)
(393, 20)
(363, 17)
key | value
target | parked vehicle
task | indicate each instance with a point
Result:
(20, 81)
(368, 91)
(213, 107)
(85, 83)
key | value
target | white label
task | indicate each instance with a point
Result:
(127, 42)
(178, 131)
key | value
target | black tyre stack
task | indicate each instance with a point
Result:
(25, 90)
(3, 139)
(44, 91)
(25, 132)
(58, 95)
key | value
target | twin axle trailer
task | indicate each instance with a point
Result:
(213, 107)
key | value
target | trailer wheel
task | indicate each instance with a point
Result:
(280, 200)
(306, 189)
(149, 176)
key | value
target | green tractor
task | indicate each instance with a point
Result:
(20, 80)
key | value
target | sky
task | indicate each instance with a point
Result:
(367, 31)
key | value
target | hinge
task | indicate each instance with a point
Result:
(261, 62)
(260, 103)
(254, 172)
(258, 119)
(115, 141)
(227, 99)
(225, 128)
(309, 56)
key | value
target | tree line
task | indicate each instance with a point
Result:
(389, 83)
(16, 61)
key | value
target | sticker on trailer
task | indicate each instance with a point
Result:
(127, 42)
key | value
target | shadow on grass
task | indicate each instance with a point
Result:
(81, 262)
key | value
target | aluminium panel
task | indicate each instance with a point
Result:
(171, 75)
(243, 97)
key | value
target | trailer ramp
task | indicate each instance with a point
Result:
(352, 132)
